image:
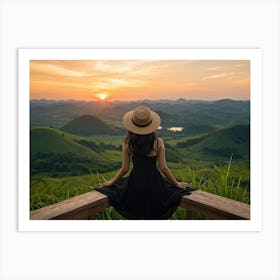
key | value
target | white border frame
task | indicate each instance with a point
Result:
(24, 57)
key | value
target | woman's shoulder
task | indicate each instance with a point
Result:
(160, 141)
(125, 146)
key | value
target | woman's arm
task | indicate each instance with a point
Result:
(164, 168)
(124, 168)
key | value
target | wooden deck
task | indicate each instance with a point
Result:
(85, 207)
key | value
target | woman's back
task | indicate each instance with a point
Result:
(144, 194)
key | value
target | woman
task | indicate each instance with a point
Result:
(144, 194)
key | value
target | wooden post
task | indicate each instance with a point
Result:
(214, 206)
(190, 215)
(82, 207)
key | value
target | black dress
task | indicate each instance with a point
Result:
(144, 194)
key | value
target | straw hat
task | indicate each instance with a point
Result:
(141, 120)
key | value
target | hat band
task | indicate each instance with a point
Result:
(139, 125)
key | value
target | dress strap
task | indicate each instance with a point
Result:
(157, 146)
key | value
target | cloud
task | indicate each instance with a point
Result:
(216, 76)
(53, 69)
(227, 75)
(213, 68)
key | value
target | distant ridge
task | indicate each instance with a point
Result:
(195, 116)
(87, 125)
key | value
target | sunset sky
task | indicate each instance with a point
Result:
(139, 79)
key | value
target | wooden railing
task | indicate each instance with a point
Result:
(85, 207)
(214, 206)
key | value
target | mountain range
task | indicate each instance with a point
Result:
(194, 115)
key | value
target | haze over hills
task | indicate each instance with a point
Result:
(195, 116)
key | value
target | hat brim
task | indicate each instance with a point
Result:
(152, 127)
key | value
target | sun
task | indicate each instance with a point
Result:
(102, 96)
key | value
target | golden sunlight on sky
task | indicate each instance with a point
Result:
(139, 79)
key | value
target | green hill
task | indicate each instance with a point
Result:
(54, 151)
(50, 140)
(223, 143)
(87, 125)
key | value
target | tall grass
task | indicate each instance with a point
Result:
(220, 181)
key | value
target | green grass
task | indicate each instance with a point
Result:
(222, 183)
(108, 139)
(218, 180)
(112, 155)
(173, 141)
(45, 139)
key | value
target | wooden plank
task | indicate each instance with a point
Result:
(73, 208)
(214, 206)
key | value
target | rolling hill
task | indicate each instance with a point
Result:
(55, 151)
(87, 125)
(50, 140)
(222, 143)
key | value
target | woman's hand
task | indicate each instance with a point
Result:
(107, 184)
(182, 185)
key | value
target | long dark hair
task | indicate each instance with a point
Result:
(140, 144)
